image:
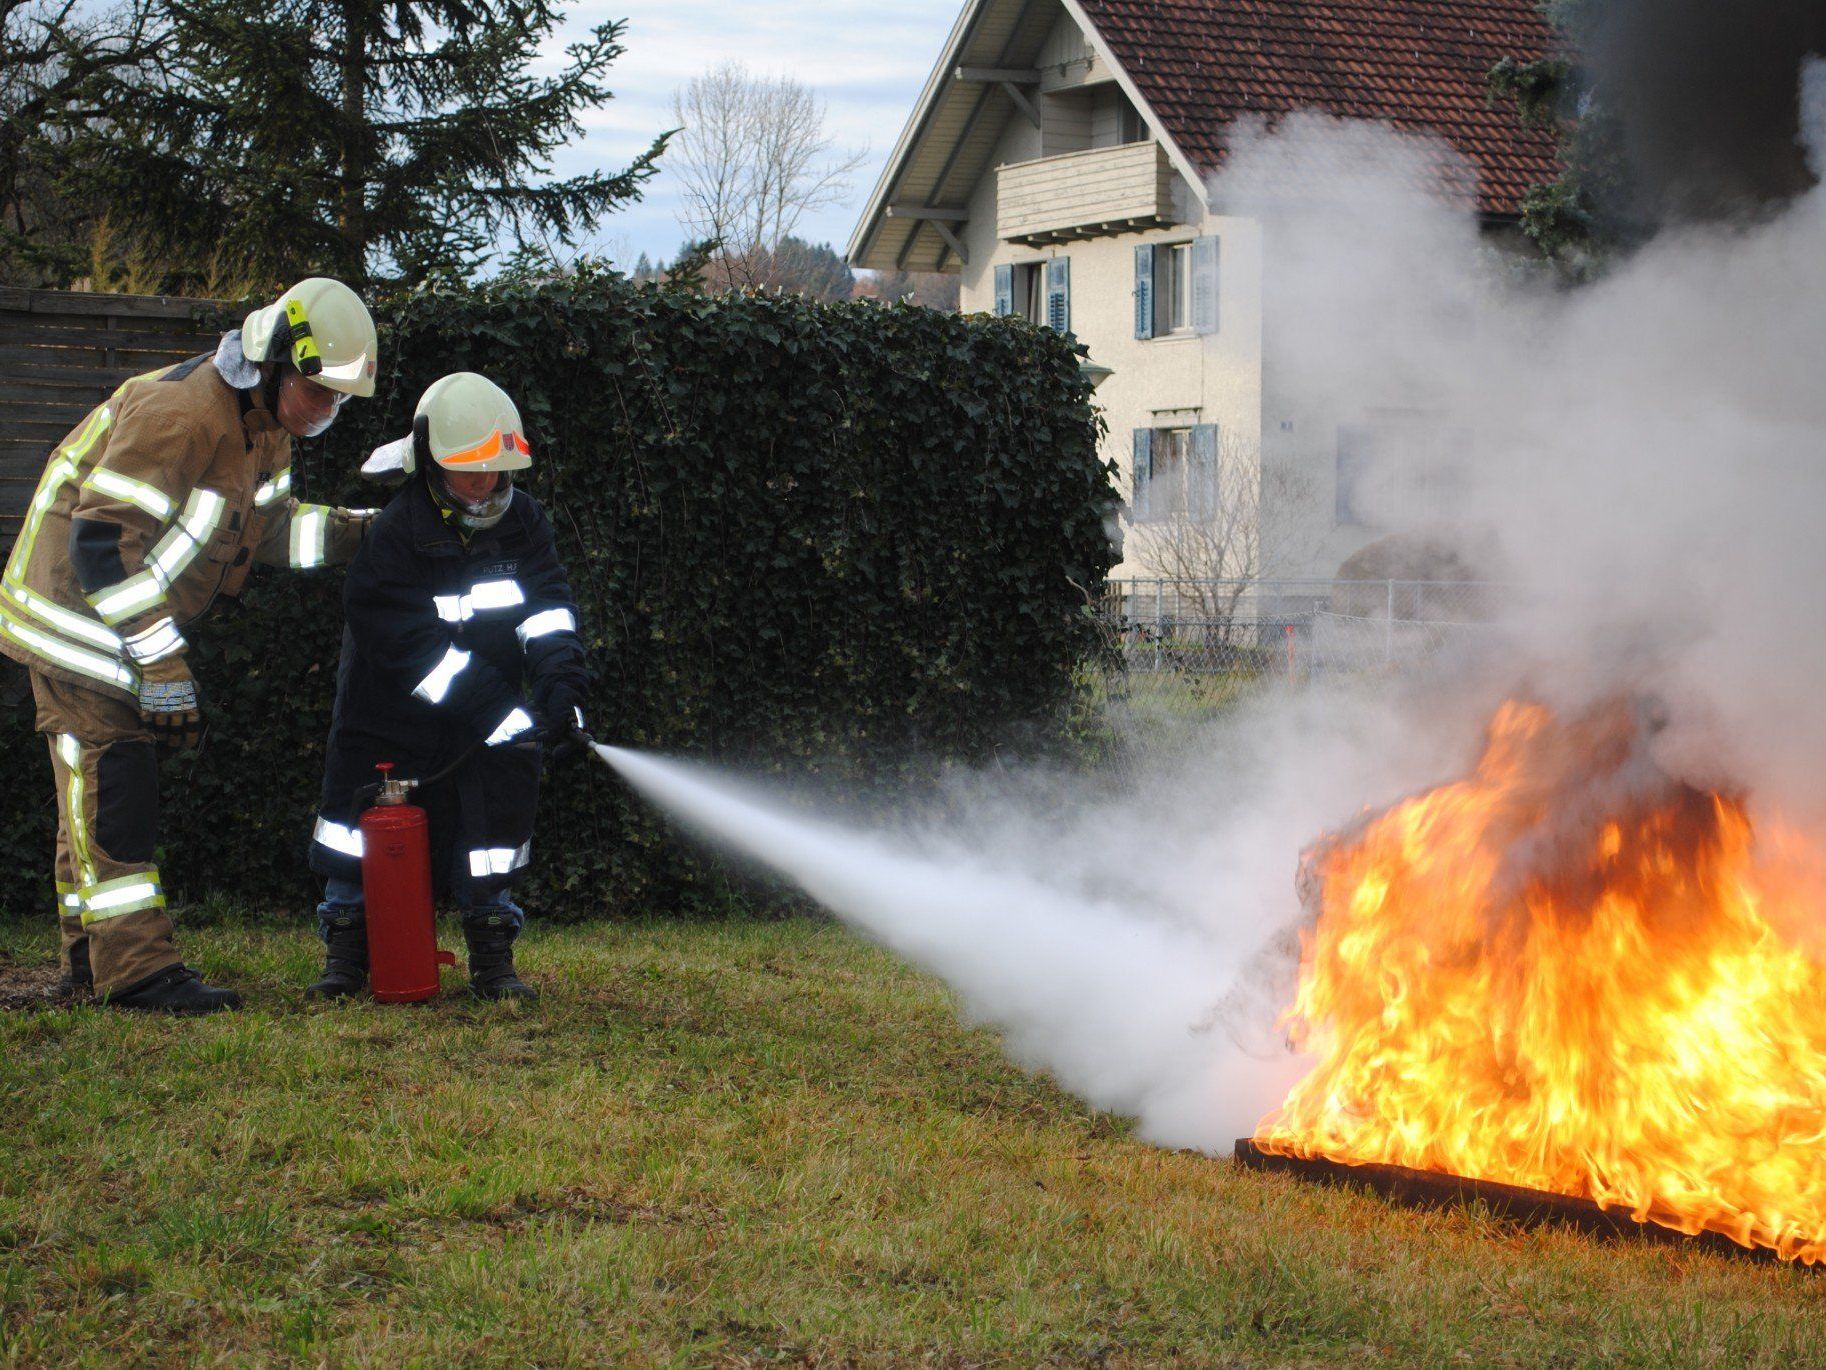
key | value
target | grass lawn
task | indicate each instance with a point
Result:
(724, 1144)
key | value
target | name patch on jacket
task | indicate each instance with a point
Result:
(503, 569)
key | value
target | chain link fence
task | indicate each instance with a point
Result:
(1208, 628)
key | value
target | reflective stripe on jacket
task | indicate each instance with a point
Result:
(150, 510)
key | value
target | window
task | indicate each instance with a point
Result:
(1176, 288)
(1093, 117)
(1030, 291)
(1174, 474)
(1172, 288)
(1132, 127)
(1039, 292)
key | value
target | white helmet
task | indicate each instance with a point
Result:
(324, 329)
(464, 423)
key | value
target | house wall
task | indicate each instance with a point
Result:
(1303, 442)
(1066, 59)
(1301, 533)
(1176, 381)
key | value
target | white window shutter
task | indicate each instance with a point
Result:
(1144, 291)
(1204, 285)
(1059, 294)
(1202, 497)
(1143, 474)
(1004, 290)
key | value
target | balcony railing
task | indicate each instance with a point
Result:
(1085, 194)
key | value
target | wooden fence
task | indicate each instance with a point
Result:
(61, 354)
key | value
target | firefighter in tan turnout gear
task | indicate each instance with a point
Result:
(148, 513)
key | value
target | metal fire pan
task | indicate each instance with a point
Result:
(1525, 1207)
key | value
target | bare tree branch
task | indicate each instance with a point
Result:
(754, 159)
(1205, 532)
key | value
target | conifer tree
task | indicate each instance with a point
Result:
(49, 51)
(367, 139)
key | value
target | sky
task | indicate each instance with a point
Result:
(866, 59)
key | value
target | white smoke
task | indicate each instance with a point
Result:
(1133, 942)
(1646, 456)
(1646, 468)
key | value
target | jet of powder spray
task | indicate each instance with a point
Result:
(1118, 1008)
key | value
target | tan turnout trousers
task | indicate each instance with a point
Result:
(108, 889)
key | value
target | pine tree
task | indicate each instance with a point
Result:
(49, 51)
(1591, 211)
(367, 139)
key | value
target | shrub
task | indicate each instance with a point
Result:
(839, 539)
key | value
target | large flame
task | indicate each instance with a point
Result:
(1570, 973)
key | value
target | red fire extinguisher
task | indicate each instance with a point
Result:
(403, 954)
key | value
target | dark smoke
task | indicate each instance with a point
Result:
(1706, 95)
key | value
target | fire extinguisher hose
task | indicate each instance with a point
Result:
(366, 794)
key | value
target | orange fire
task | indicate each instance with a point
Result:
(1571, 973)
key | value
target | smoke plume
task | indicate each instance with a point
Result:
(1642, 463)
(1704, 92)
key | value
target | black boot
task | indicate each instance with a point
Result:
(175, 989)
(77, 984)
(490, 938)
(345, 961)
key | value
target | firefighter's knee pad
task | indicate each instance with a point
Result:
(127, 801)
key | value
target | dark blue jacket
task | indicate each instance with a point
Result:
(446, 639)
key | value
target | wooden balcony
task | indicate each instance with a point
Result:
(1085, 194)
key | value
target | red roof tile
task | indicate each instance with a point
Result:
(1416, 64)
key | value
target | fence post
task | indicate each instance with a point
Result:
(1388, 629)
(1159, 619)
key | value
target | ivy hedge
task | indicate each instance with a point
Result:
(840, 539)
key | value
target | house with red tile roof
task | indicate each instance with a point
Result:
(1060, 159)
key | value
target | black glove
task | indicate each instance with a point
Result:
(567, 747)
(558, 702)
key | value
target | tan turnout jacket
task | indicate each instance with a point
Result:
(173, 487)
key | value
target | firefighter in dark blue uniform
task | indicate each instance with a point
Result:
(460, 654)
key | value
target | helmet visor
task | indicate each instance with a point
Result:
(474, 514)
(338, 376)
(311, 407)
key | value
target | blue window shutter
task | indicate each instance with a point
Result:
(1201, 499)
(1059, 294)
(1144, 291)
(1004, 290)
(1204, 285)
(1143, 474)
